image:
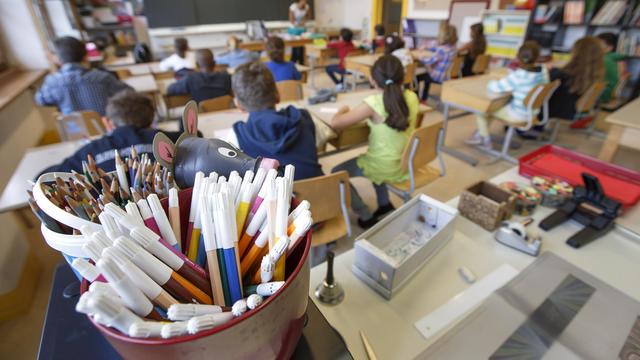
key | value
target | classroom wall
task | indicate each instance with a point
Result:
(354, 14)
(20, 35)
(436, 9)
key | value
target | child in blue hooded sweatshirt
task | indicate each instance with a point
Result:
(287, 135)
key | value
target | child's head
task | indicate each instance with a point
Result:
(275, 49)
(70, 50)
(379, 30)
(586, 65)
(233, 43)
(205, 60)
(346, 34)
(392, 43)
(388, 74)
(477, 31)
(181, 46)
(254, 87)
(130, 108)
(448, 35)
(610, 41)
(528, 54)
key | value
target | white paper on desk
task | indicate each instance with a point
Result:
(461, 304)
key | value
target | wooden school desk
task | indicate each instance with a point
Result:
(389, 324)
(33, 162)
(260, 45)
(624, 120)
(145, 84)
(139, 69)
(470, 94)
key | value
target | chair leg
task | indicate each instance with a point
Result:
(554, 132)
(406, 197)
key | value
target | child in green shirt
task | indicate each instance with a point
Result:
(614, 66)
(391, 116)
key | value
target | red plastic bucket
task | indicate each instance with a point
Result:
(271, 331)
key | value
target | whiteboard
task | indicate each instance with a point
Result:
(461, 10)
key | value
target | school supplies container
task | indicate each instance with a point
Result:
(526, 197)
(554, 191)
(486, 204)
(388, 254)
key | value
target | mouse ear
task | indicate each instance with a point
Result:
(190, 118)
(164, 150)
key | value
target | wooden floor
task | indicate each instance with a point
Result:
(21, 336)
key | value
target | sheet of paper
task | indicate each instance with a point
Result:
(464, 302)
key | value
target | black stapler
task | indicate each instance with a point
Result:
(590, 207)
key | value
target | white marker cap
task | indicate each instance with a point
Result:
(110, 226)
(130, 294)
(269, 289)
(173, 198)
(102, 238)
(156, 269)
(93, 248)
(266, 269)
(134, 212)
(303, 206)
(161, 219)
(281, 247)
(106, 289)
(146, 329)
(85, 269)
(150, 241)
(209, 321)
(179, 312)
(111, 312)
(239, 307)
(170, 330)
(254, 300)
(139, 278)
(145, 210)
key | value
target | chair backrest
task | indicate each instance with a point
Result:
(622, 83)
(123, 73)
(427, 146)
(537, 96)
(174, 101)
(323, 192)
(481, 64)
(79, 125)
(216, 104)
(587, 102)
(410, 74)
(454, 71)
(357, 52)
(290, 90)
(163, 75)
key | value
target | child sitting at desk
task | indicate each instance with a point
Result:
(181, 61)
(75, 87)
(391, 116)
(287, 135)
(234, 55)
(394, 45)
(518, 82)
(471, 50)
(282, 70)
(131, 114)
(379, 39)
(614, 65)
(343, 47)
(205, 83)
(439, 63)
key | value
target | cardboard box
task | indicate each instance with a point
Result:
(388, 254)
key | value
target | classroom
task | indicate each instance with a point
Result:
(320, 179)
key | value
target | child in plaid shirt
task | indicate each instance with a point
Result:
(438, 63)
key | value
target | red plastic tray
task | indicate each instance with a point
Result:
(618, 183)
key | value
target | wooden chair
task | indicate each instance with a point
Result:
(123, 73)
(481, 64)
(290, 90)
(537, 99)
(216, 104)
(175, 101)
(587, 105)
(331, 199)
(79, 125)
(410, 75)
(454, 71)
(618, 99)
(354, 74)
(422, 148)
(163, 75)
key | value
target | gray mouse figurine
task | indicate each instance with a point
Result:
(191, 154)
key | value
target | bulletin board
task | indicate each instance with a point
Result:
(464, 13)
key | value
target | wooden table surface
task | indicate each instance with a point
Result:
(143, 83)
(471, 94)
(14, 82)
(625, 126)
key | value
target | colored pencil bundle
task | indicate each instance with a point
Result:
(146, 284)
(85, 195)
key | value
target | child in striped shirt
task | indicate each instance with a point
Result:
(518, 82)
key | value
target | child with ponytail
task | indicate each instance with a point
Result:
(391, 116)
